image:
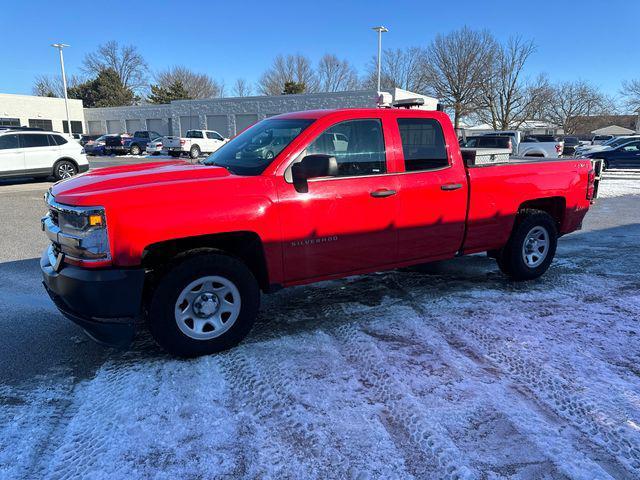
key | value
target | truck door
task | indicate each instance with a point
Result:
(433, 192)
(344, 223)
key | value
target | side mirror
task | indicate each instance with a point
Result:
(312, 166)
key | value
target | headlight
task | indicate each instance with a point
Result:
(78, 232)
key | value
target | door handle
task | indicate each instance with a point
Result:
(383, 193)
(450, 186)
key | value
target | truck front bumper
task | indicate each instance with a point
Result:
(105, 302)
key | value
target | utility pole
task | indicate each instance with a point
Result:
(380, 31)
(60, 46)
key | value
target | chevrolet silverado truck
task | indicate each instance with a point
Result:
(188, 248)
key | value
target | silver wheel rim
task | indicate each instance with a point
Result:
(207, 307)
(535, 247)
(65, 170)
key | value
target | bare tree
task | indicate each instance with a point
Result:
(457, 66)
(242, 88)
(128, 63)
(400, 68)
(52, 86)
(508, 99)
(197, 85)
(574, 99)
(335, 75)
(292, 68)
(631, 95)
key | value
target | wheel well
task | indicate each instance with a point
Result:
(554, 206)
(247, 246)
(53, 170)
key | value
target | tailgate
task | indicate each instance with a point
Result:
(171, 142)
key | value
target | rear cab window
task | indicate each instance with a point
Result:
(423, 144)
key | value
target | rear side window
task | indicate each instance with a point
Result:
(358, 146)
(57, 140)
(194, 134)
(34, 140)
(9, 141)
(422, 144)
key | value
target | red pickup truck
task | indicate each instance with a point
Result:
(190, 247)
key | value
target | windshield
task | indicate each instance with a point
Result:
(254, 149)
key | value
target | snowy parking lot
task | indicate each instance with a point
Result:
(442, 371)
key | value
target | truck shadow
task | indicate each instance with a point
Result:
(38, 340)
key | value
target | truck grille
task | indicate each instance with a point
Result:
(54, 216)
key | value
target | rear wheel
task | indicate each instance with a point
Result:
(204, 304)
(194, 152)
(64, 169)
(531, 247)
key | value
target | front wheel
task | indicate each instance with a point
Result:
(64, 169)
(205, 304)
(531, 247)
(135, 150)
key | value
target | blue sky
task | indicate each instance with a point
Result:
(595, 41)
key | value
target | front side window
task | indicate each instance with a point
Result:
(422, 144)
(358, 146)
(9, 141)
(34, 140)
(632, 147)
(254, 149)
(213, 136)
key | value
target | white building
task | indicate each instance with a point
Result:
(227, 115)
(43, 112)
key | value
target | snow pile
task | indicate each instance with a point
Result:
(616, 183)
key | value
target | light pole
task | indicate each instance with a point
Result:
(60, 46)
(380, 31)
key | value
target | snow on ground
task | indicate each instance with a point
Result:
(620, 182)
(442, 371)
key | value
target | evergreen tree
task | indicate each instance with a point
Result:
(175, 91)
(106, 90)
(294, 87)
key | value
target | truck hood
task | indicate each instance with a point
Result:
(86, 189)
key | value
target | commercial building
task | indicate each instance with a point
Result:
(43, 112)
(227, 115)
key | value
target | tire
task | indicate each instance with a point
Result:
(185, 311)
(64, 169)
(135, 150)
(174, 154)
(194, 152)
(524, 257)
(269, 155)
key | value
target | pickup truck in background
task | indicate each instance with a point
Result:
(545, 146)
(137, 144)
(194, 143)
(189, 247)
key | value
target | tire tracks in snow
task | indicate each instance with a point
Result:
(428, 442)
(582, 413)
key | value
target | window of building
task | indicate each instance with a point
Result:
(41, 123)
(9, 141)
(422, 144)
(9, 122)
(33, 140)
(358, 146)
(76, 126)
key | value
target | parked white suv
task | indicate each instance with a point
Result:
(40, 154)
